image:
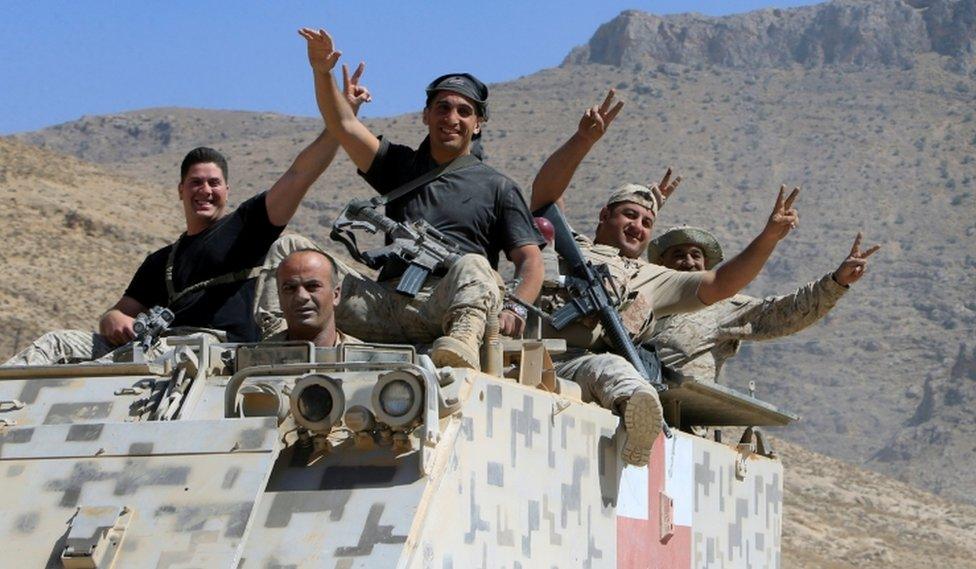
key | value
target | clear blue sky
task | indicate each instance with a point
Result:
(61, 60)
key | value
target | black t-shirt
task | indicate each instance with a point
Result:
(237, 241)
(480, 208)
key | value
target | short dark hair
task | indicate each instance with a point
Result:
(202, 155)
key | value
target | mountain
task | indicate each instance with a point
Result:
(874, 118)
(851, 32)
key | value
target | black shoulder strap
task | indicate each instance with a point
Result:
(455, 165)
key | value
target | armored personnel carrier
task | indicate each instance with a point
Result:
(364, 455)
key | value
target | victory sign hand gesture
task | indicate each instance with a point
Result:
(784, 216)
(856, 263)
(355, 93)
(597, 119)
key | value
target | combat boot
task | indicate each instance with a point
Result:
(643, 417)
(461, 347)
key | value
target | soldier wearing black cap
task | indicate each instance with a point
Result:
(481, 209)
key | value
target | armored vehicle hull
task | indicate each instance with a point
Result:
(218, 455)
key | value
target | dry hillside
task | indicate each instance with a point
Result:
(73, 234)
(842, 517)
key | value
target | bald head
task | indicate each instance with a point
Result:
(309, 293)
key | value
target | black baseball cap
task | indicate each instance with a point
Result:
(462, 84)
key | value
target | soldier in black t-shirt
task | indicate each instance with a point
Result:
(481, 209)
(215, 245)
(208, 276)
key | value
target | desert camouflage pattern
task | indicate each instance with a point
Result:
(225, 455)
(646, 292)
(696, 345)
(62, 347)
(371, 309)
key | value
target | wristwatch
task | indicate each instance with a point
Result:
(516, 308)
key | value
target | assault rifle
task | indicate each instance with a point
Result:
(417, 244)
(589, 293)
(148, 326)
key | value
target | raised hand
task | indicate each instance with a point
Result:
(784, 216)
(663, 189)
(322, 55)
(355, 93)
(855, 265)
(597, 118)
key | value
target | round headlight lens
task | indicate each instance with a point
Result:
(396, 398)
(315, 403)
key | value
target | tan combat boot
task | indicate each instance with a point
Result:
(643, 418)
(461, 347)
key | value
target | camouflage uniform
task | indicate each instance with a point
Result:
(376, 312)
(62, 347)
(77, 346)
(697, 345)
(646, 291)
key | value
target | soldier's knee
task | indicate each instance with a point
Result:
(471, 264)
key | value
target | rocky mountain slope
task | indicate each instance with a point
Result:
(841, 517)
(885, 32)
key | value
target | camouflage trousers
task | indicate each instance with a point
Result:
(374, 311)
(77, 346)
(62, 347)
(607, 379)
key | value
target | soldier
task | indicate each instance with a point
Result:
(479, 208)
(696, 345)
(647, 291)
(309, 292)
(207, 277)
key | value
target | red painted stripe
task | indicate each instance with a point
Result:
(638, 541)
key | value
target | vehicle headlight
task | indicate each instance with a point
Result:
(317, 402)
(398, 398)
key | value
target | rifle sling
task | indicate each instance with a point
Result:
(173, 295)
(455, 165)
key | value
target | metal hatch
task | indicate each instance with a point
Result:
(182, 493)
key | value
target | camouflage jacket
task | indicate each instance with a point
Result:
(697, 345)
(646, 291)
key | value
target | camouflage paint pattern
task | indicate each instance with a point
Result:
(509, 476)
